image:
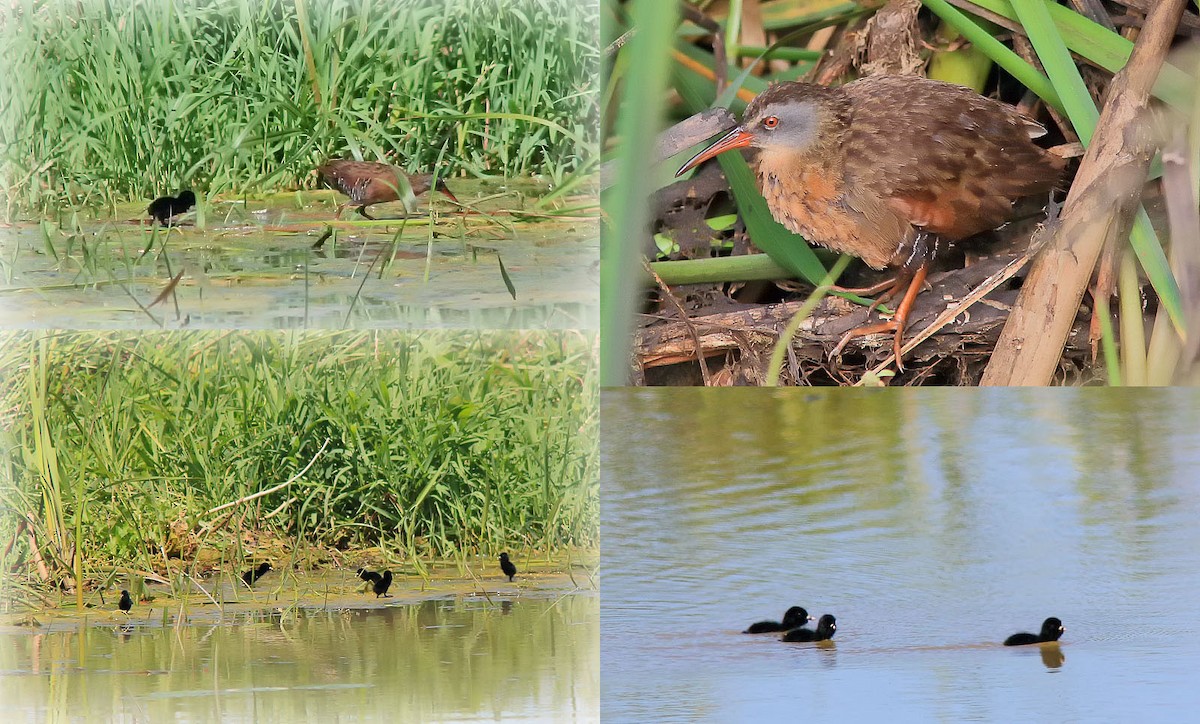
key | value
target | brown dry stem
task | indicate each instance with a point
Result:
(1101, 204)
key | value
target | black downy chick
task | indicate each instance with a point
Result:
(794, 617)
(379, 584)
(249, 577)
(126, 602)
(164, 207)
(509, 568)
(826, 627)
(1052, 629)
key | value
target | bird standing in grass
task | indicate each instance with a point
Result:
(249, 577)
(126, 602)
(1052, 629)
(375, 183)
(164, 207)
(509, 568)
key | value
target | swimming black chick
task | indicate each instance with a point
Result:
(249, 577)
(164, 207)
(126, 602)
(509, 568)
(794, 617)
(826, 627)
(1052, 629)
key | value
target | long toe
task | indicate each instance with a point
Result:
(863, 331)
(883, 286)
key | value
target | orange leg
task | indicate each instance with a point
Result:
(896, 324)
(901, 318)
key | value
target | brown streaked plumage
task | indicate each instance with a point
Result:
(887, 167)
(369, 183)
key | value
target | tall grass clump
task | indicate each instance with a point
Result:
(130, 448)
(132, 98)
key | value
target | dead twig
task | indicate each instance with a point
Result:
(268, 491)
(1101, 204)
(683, 317)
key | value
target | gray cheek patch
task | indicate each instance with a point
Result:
(797, 125)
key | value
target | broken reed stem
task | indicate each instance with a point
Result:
(1101, 204)
(268, 491)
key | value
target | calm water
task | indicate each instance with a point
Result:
(452, 660)
(933, 524)
(252, 266)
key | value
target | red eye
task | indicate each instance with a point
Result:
(770, 122)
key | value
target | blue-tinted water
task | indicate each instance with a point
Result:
(933, 524)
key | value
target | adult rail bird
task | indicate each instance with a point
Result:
(887, 169)
(368, 183)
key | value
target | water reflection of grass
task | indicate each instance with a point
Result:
(405, 663)
(125, 450)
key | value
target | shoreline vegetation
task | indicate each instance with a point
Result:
(131, 100)
(177, 455)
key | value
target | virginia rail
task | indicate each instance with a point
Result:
(373, 183)
(886, 168)
(1052, 629)
(164, 207)
(509, 568)
(826, 628)
(794, 617)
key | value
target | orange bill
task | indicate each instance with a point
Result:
(737, 138)
(441, 186)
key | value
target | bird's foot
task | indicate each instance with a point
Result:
(886, 290)
(870, 291)
(864, 331)
(898, 321)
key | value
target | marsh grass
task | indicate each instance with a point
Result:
(101, 102)
(121, 448)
